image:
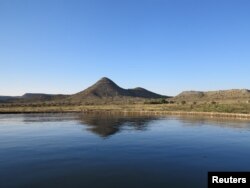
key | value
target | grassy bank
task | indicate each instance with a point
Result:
(218, 110)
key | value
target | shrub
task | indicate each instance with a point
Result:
(156, 101)
(213, 102)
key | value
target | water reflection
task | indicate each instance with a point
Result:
(106, 125)
(103, 125)
(221, 122)
(39, 118)
(55, 150)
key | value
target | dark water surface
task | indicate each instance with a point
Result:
(104, 151)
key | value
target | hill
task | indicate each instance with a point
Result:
(233, 95)
(106, 89)
(32, 97)
(7, 98)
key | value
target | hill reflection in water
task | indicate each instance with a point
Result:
(106, 125)
(76, 150)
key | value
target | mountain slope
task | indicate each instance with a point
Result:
(221, 95)
(143, 93)
(32, 97)
(42, 97)
(106, 88)
(7, 98)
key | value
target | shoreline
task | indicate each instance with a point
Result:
(132, 112)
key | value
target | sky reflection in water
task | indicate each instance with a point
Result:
(84, 150)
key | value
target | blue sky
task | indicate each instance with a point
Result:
(167, 46)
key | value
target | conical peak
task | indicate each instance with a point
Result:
(105, 80)
(139, 88)
(106, 88)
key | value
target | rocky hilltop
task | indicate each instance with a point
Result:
(107, 89)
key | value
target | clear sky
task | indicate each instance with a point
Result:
(167, 46)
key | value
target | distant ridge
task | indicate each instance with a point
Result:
(42, 97)
(221, 95)
(105, 91)
(106, 88)
(6, 98)
(33, 97)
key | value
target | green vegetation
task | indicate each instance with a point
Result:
(183, 102)
(157, 101)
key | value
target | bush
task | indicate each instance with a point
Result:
(183, 102)
(156, 101)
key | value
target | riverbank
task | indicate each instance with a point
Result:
(233, 111)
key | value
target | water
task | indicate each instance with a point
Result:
(104, 151)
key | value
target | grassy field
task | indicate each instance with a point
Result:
(232, 110)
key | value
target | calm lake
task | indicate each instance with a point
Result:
(105, 151)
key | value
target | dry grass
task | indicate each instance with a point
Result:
(224, 110)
